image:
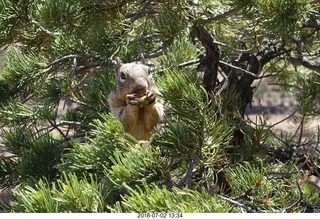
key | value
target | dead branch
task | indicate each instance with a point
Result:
(140, 12)
(296, 202)
(70, 56)
(237, 68)
(220, 16)
(212, 56)
(312, 65)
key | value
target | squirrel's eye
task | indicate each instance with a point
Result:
(122, 76)
(149, 71)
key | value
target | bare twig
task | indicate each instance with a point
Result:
(62, 123)
(75, 100)
(318, 137)
(188, 63)
(144, 38)
(140, 12)
(87, 75)
(156, 53)
(181, 65)
(237, 68)
(71, 56)
(233, 202)
(283, 173)
(316, 149)
(212, 56)
(300, 127)
(220, 16)
(69, 123)
(232, 48)
(193, 162)
(267, 75)
(182, 180)
(44, 29)
(91, 67)
(313, 65)
(189, 174)
(286, 118)
(78, 135)
(296, 202)
(225, 84)
(192, 62)
(284, 84)
(238, 204)
(53, 124)
(75, 63)
(27, 98)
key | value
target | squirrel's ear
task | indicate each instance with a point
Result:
(117, 62)
(142, 59)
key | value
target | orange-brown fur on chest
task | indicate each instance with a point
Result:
(134, 81)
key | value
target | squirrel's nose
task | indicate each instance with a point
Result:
(141, 86)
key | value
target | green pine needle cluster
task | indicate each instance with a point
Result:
(68, 194)
(154, 199)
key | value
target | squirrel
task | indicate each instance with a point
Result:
(133, 101)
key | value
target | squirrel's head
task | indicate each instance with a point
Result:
(133, 78)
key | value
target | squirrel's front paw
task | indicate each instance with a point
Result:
(145, 100)
(150, 97)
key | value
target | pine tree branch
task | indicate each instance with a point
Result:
(188, 63)
(140, 12)
(189, 174)
(53, 124)
(61, 123)
(76, 100)
(156, 53)
(69, 123)
(52, 34)
(118, 5)
(144, 38)
(233, 202)
(224, 15)
(87, 75)
(98, 66)
(284, 173)
(195, 61)
(313, 65)
(232, 48)
(240, 69)
(181, 65)
(300, 127)
(311, 24)
(78, 135)
(212, 56)
(266, 58)
(29, 97)
(286, 118)
(238, 204)
(70, 56)
(296, 202)
(223, 87)
(192, 162)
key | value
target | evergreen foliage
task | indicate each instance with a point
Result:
(68, 194)
(154, 199)
(62, 151)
